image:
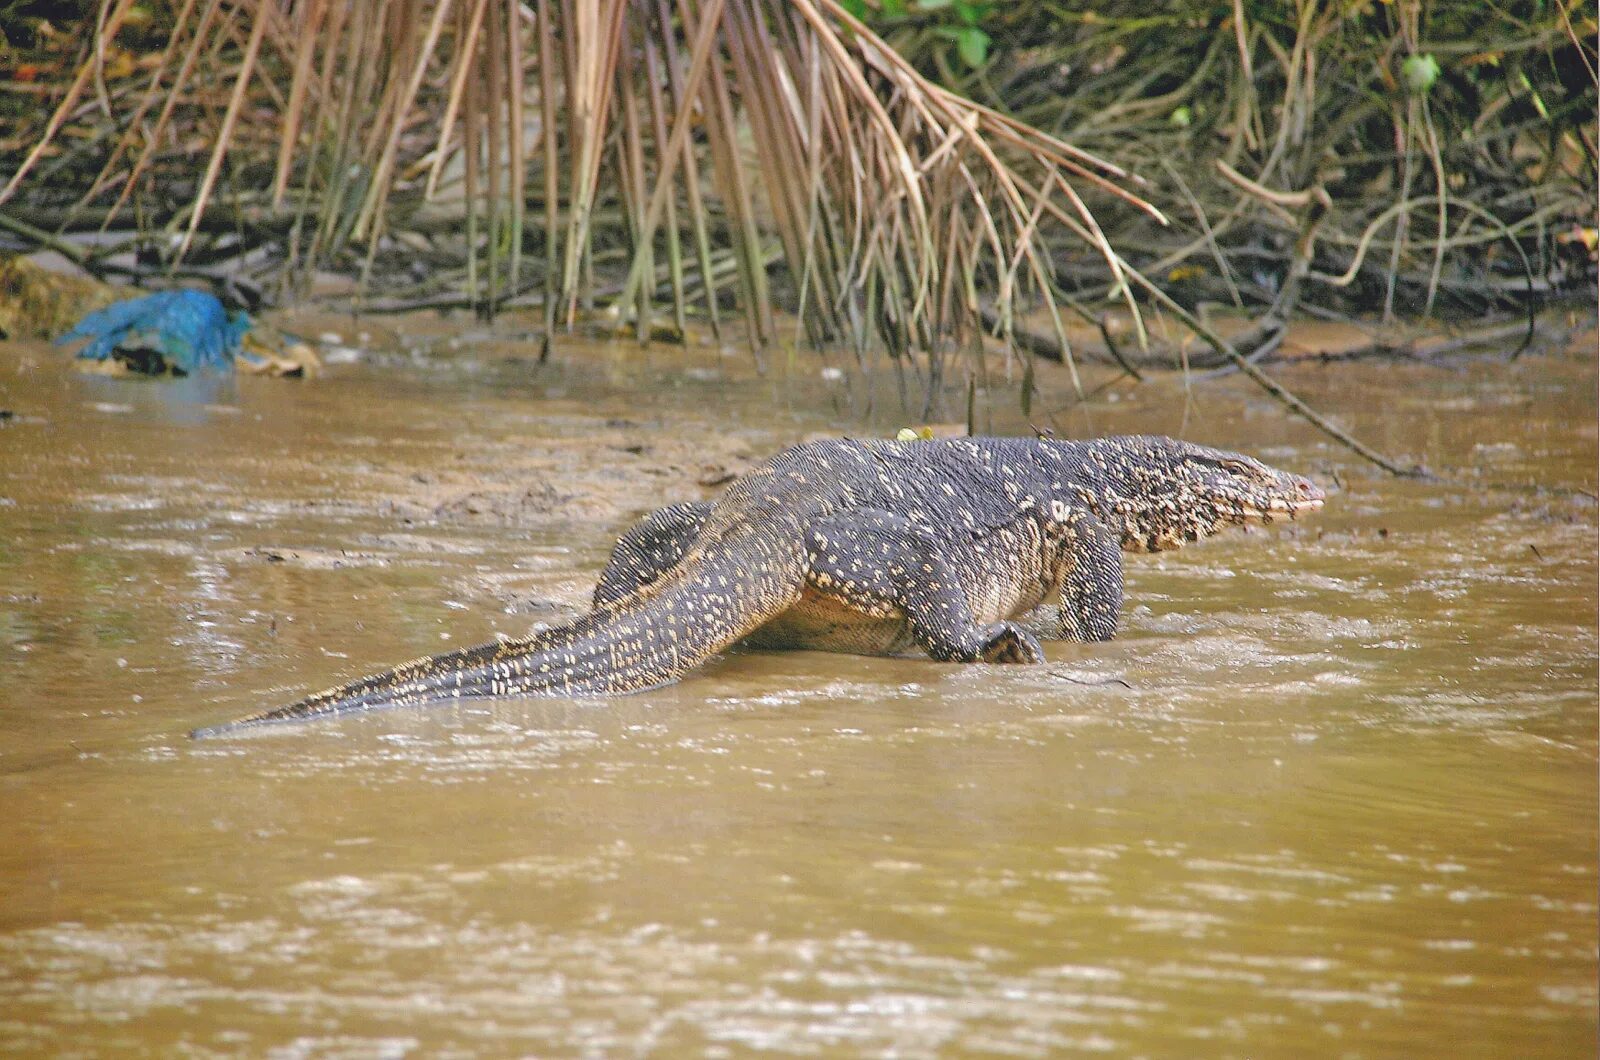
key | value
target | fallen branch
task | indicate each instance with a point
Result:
(1273, 387)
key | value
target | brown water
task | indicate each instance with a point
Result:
(1340, 798)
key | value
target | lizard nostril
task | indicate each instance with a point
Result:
(1308, 490)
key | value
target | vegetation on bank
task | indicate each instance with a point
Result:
(578, 153)
(902, 174)
(1455, 140)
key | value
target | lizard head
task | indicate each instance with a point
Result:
(1162, 492)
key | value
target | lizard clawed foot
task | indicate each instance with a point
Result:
(1006, 642)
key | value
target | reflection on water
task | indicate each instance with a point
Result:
(1332, 792)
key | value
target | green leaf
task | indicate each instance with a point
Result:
(1420, 72)
(1180, 118)
(973, 44)
(1533, 93)
(932, 5)
(894, 8)
(857, 8)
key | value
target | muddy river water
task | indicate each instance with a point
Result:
(1331, 793)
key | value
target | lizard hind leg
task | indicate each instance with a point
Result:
(881, 564)
(649, 550)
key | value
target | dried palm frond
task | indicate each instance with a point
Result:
(903, 213)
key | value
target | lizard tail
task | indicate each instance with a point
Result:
(643, 641)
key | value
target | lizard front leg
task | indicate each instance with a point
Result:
(1091, 583)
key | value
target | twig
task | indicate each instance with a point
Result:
(45, 239)
(1115, 351)
(1271, 386)
(1098, 682)
(1268, 346)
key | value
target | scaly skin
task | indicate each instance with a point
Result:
(873, 547)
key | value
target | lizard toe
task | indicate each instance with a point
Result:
(1006, 642)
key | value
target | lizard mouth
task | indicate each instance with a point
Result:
(1308, 497)
(1303, 495)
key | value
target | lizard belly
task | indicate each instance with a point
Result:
(820, 622)
(996, 601)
